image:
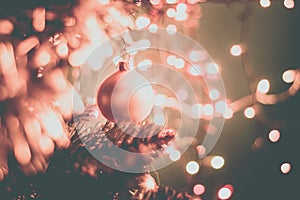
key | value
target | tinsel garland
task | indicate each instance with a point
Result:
(76, 169)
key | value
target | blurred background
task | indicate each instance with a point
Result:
(253, 163)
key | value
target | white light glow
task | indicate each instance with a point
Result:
(289, 76)
(217, 162)
(192, 167)
(289, 4)
(274, 136)
(265, 3)
(263, 86)
(249, 112)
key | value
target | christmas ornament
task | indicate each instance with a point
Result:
(125, 96)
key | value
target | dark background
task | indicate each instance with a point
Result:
(272, 39)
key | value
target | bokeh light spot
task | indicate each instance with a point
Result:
(214, 94)
(208, 109)
(171, 12)
(212, 68)
(199, 189)
(171, 29)
(192, 167)
(174, 155)
(274, 135)
(285, 168)
(217, 162)
(289, 4)
(153, 28)
(249, 112)
(236, 50)
(225, 192)
(263, 86)
(265, 3)
(142, 22)
(289, 76)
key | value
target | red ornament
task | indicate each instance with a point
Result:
(125, 96)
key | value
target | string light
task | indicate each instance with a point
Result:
(274, 136)
(236, 50)
(285, 168)
(192, 167)
(199, 189)
(225, 192)
(289, 76)
(263, 86)
(249, 112)
(289, 4)
(217, 162)
(265, 3)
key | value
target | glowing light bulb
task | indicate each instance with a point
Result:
(265, 3)
(289, 76)
(263, 86)
(289, 4)
(249, 112)
(274, 136)
(285, 168)
(236, 50)
(199, 189)
(192, 167)
(217, 162)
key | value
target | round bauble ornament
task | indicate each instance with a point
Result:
(125, 96)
